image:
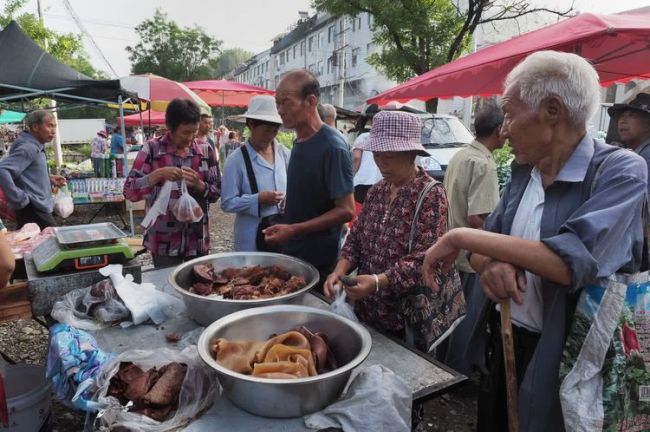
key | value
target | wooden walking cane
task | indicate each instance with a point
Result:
(510, 369)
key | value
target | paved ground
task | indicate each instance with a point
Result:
(26, 342)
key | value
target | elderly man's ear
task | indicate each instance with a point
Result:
(553, 110)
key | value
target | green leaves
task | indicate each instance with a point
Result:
(165, 49)
(415, 35)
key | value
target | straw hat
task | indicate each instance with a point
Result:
(395, 131)
(262, 108)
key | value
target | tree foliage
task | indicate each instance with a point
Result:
(165, 49)
(65, 47)
(418, 35)
(229, 60)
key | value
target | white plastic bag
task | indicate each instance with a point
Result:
(159, 206)
(340, 306)
(197, 393)
(186, 209)
(144, 301)
(63, 204)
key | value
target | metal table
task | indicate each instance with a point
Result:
(426, 377)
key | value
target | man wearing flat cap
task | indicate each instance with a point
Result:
(633, 124)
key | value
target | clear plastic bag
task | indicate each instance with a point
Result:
(63, 203)
(186, 209)
(197, 393)
(341, 307)
(159, 206)
(92, 308)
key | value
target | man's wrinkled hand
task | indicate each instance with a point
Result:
(279, 234)
(502, 281)
(58, 180)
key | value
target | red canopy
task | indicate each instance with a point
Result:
(617, 46)
(157, 118)
(226, 93)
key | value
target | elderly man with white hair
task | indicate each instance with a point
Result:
(327, 113)
(566, 219)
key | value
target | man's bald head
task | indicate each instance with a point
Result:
(303, 81)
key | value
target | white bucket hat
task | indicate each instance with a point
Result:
(262, 108)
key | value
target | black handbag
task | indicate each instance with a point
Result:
(265, 221)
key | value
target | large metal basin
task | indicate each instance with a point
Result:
(206, 310)
(281, 398)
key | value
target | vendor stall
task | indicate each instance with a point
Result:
(425, 377)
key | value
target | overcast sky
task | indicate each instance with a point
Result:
(248, 24)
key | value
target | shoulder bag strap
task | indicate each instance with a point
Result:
(418, 208)
(250, 173)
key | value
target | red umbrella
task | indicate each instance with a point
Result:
(157, 118)
(617, 45)
(226, 93)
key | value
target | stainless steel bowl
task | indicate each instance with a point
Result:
(206, 310)
(350, 342)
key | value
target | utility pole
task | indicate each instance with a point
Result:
(58, 156)
(342, 62)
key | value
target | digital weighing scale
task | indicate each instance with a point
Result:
(81, 247)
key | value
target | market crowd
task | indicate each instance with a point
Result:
(421, 254)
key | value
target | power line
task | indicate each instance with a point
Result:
(74, 16)
(90, 21)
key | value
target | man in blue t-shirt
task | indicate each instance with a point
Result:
(319, 181)
(117, 142)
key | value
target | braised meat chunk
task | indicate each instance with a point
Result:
(246, 283)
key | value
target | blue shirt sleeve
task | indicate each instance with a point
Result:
(233, 198)
(10, 168)
(606, 232)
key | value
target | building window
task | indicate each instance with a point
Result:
(354, 24)
(355, 56)
(320, 40)
(310, 43)
(302, 48)
(282, 58)
(294, 51)
(358, 20)
(329, 65)
(319, 69)
(312, 68)
(331, 32)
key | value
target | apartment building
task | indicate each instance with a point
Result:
(334, 49)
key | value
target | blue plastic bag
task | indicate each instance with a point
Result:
(73, 361)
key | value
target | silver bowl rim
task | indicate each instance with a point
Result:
(183, 291)
(366, 344)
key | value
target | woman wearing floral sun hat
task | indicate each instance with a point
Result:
(403, 214)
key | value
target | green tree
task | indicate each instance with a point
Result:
(418, 35)
(229, 60)
(165, 49)
(65, 47)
